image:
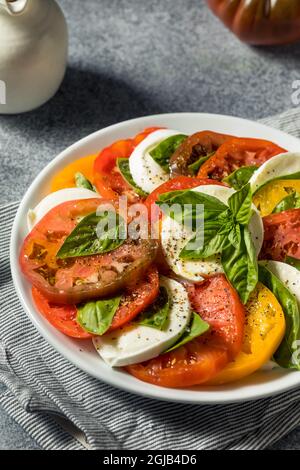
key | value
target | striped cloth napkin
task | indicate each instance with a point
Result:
(63, 408)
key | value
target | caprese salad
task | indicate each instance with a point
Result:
(177, 255)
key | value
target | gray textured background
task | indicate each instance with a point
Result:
(130, 58)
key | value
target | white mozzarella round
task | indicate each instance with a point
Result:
(281, 165)
(175, 236)
(135, 343)
(53, 200)
(287, 274)
(146, 173)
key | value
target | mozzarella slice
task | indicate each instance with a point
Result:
(281, 165)
(147, 174)
(287, 274)
(53, 200)
(136, 343)
(175, 236)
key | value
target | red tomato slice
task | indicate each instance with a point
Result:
(62, 317)
(218, 304)
(112, 186)
(178, 183)
(201, 359)
(74, 280)
(137, 299)
(106, 160)
(107, 178)
(235, 153)
(282, 235)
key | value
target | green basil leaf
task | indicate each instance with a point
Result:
(234, 235)
(284, 356)
(82, 182)
(225, 217)
(123, 165)
(197, 328)
(212, 206)
(179, 196)
(292, 201)
(190, 208)
(293, 176)
(240, 204)
(163, 151)
(240, 265)
(240, 177)
(194, 167)
(96, 316)
(156, 315)
(293, 262)
(213, 241)
(84, 240)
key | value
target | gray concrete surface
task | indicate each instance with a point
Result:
(130, 58)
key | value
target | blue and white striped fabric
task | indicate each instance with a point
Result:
(63, 408)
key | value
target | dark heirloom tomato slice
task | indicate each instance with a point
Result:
(74, 280)
(107, 178)
(201, 359)
(136, 299)
(197, 145)
(260, 22)
(235, 153)
(282, 235)
(62, 317)
(175, 184)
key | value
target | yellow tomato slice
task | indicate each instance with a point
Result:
(65, 178)
(270, 195)
(264, 331)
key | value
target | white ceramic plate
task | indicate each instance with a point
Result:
(82, 353)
